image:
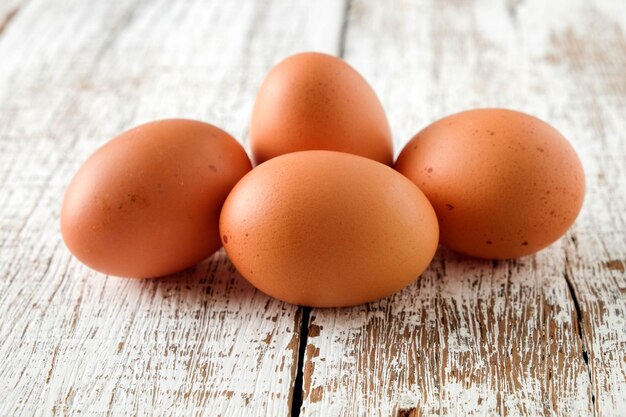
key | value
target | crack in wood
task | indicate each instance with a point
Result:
(296, 402)
(579, 325)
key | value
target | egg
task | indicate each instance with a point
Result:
(326, 229)
(147, 203)
(504, 184)
(314, 101)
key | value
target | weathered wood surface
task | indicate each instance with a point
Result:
(74, 342)
(475, 338)
(541, 336)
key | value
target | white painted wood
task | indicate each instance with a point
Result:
(472, 338)
(74, 342)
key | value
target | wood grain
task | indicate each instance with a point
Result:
(541, 336)
(589, 54)
(74, 342)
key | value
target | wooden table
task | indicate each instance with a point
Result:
(544, 335)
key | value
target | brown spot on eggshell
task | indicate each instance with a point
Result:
(311, 231)
(487, 162)
(314, 101)
(159, 214)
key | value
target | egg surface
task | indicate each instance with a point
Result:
(326, 229)
(147, 203)
(316, 101)
(504, 184)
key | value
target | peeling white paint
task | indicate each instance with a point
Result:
(470, 338)
(73, 342)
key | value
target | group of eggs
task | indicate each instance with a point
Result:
(326, 218)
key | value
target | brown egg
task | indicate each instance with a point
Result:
(147, 203)
(504, 184)
(324, 229)
(317, 101)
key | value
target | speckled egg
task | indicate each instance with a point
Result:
(147, 203)
(504, 184)
(325, 229)
(316, 101)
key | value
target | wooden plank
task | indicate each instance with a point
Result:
(588, 58)
(74, 342)
(473, 337)
(476, 339)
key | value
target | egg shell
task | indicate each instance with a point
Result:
(326, 229)
(316, 101)
(504, 184)
(147, 203)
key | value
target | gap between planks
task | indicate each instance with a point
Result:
(296, 401)
(579, 326)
